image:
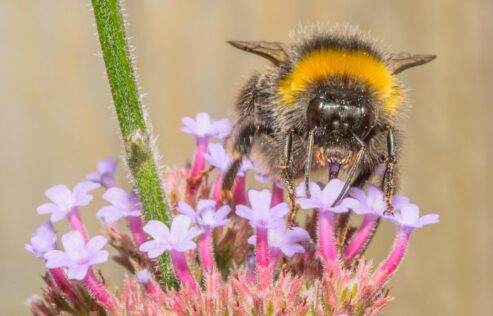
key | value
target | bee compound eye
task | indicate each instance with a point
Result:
(314, 112)
(367, 121)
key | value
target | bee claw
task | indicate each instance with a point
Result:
(389, 211)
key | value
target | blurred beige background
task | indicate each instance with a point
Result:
(56, 119)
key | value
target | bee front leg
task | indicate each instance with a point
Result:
(287, 175)
(390, 172)
(242, 146)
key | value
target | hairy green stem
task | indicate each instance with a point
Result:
(136, 136)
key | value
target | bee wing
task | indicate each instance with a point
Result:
(276, 52)
(399, 62)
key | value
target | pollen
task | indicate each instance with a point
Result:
(324, 64)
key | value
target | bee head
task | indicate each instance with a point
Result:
(342, 113)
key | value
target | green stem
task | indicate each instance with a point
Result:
(136, 136)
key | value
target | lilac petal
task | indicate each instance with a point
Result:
(222, 213)
(203, 123)
(222, 128)
(217, 156)
(117, 197)
(252, 240)
(56, 259)
(153, 248)
(279, 210)
(185, 209)
(179, 227)
(291, 249)
(60, 195)
(58, 215)
(157, 230)
(77, 272)
(308, 203)
(110, 214)
(47, 208)
(190, 125)
(350, 203)
(399, 201)
(81, 190)
(93, 176)
(107, 166)
(42, 240)
(358, 194)
(194, 232)
(185, 246)
(73, 241)
(95, 244)
(331, 191)
(244, 211)
(428, 220)
(205, 204)
(409, 214)
(259, 200)
(374, 192)
(99, 257)
(297, 234)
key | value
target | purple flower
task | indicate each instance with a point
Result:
(323, 199)
(106, 173)
(78, 256)
(206, 216)
(204, 127)
(216, 156)
(143, 276)
(408, 216)
(123, 204)
(373, 202)
(179, 237)
(42, 240)
(286, 240)
(261, 214)
(64, 200)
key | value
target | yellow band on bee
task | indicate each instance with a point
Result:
(323, 64)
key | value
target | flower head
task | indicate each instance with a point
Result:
(106, 173)
(78, 256)
(373, 201)
(204, 127)
(42, 240)
(408, 216)
(64, 200)
(323, 199)
(217, 156)
(261, 214)
(179, 237)
(286, 240)
(206, 216)
(143, 276)
(123, 204)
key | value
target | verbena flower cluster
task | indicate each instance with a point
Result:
(237, 258)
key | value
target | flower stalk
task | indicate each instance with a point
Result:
(135, 133)
(100, 293)
(206, 251)
(182, 270)
(75, 222)
(361, 238)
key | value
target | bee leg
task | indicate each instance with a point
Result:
(241, 148)
(288, 178)
(352, 171)
(390, 170)
(308, 162)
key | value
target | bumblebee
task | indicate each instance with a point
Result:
(330, 100)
